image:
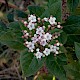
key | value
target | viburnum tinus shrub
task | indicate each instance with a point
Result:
(37, 36)
(43, 43)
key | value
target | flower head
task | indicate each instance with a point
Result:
(41, 41)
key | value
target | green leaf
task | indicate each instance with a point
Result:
(62, 59)
(55, 68)
(15, 26)
(29, 64)
(37, 10)
(50, 2)
(73, 71)
(16, 45)
(54, 8)
(11, 40)
(3, 26)
(7, 36)
(72, 4)
(56, 30)
(63, 49)
(10, 17)
(62, 38)
(77, 50)
(72, 28)
(72, 25)
(12, 36)
(21, 14)
(72, 38)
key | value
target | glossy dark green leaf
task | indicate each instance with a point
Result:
(55, 68)
(62, 38)
(56, 30)
(50, 2)
(21, 14)
(73, 71)
(29, 64)
(63, 49)
(10, 39)
(15, 26)
(37, 10)
(16, 45)
(71, 39)
(72, 25)
(72, 28)
(54, 8)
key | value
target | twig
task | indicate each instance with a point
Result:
(7, 69)
(7, 77)
(9, 4)
(36, 76)
(17, 72)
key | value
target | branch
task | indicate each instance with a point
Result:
(17, 72)
(9, 4)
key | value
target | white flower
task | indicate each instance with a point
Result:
(43, 55)
(44, 27)
(54, 49)
(37, 49)
(32, 50)
(48, 36)
(46, 51)
(26, 42)
(51, 47)
(25, 31)
(45, 19)
(41, 37)
(56, 52)
(39, 30)
(30, 45)
(35, 38)
(32, 18)
(25, 23)
(52, 20)
(38, 55)
(31, 26)
(58, 26)
(26, 35)
(58, 44)
(43, 42)
(57, 48)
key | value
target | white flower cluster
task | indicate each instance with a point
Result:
(38, 37)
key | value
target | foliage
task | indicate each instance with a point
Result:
(65, 65)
